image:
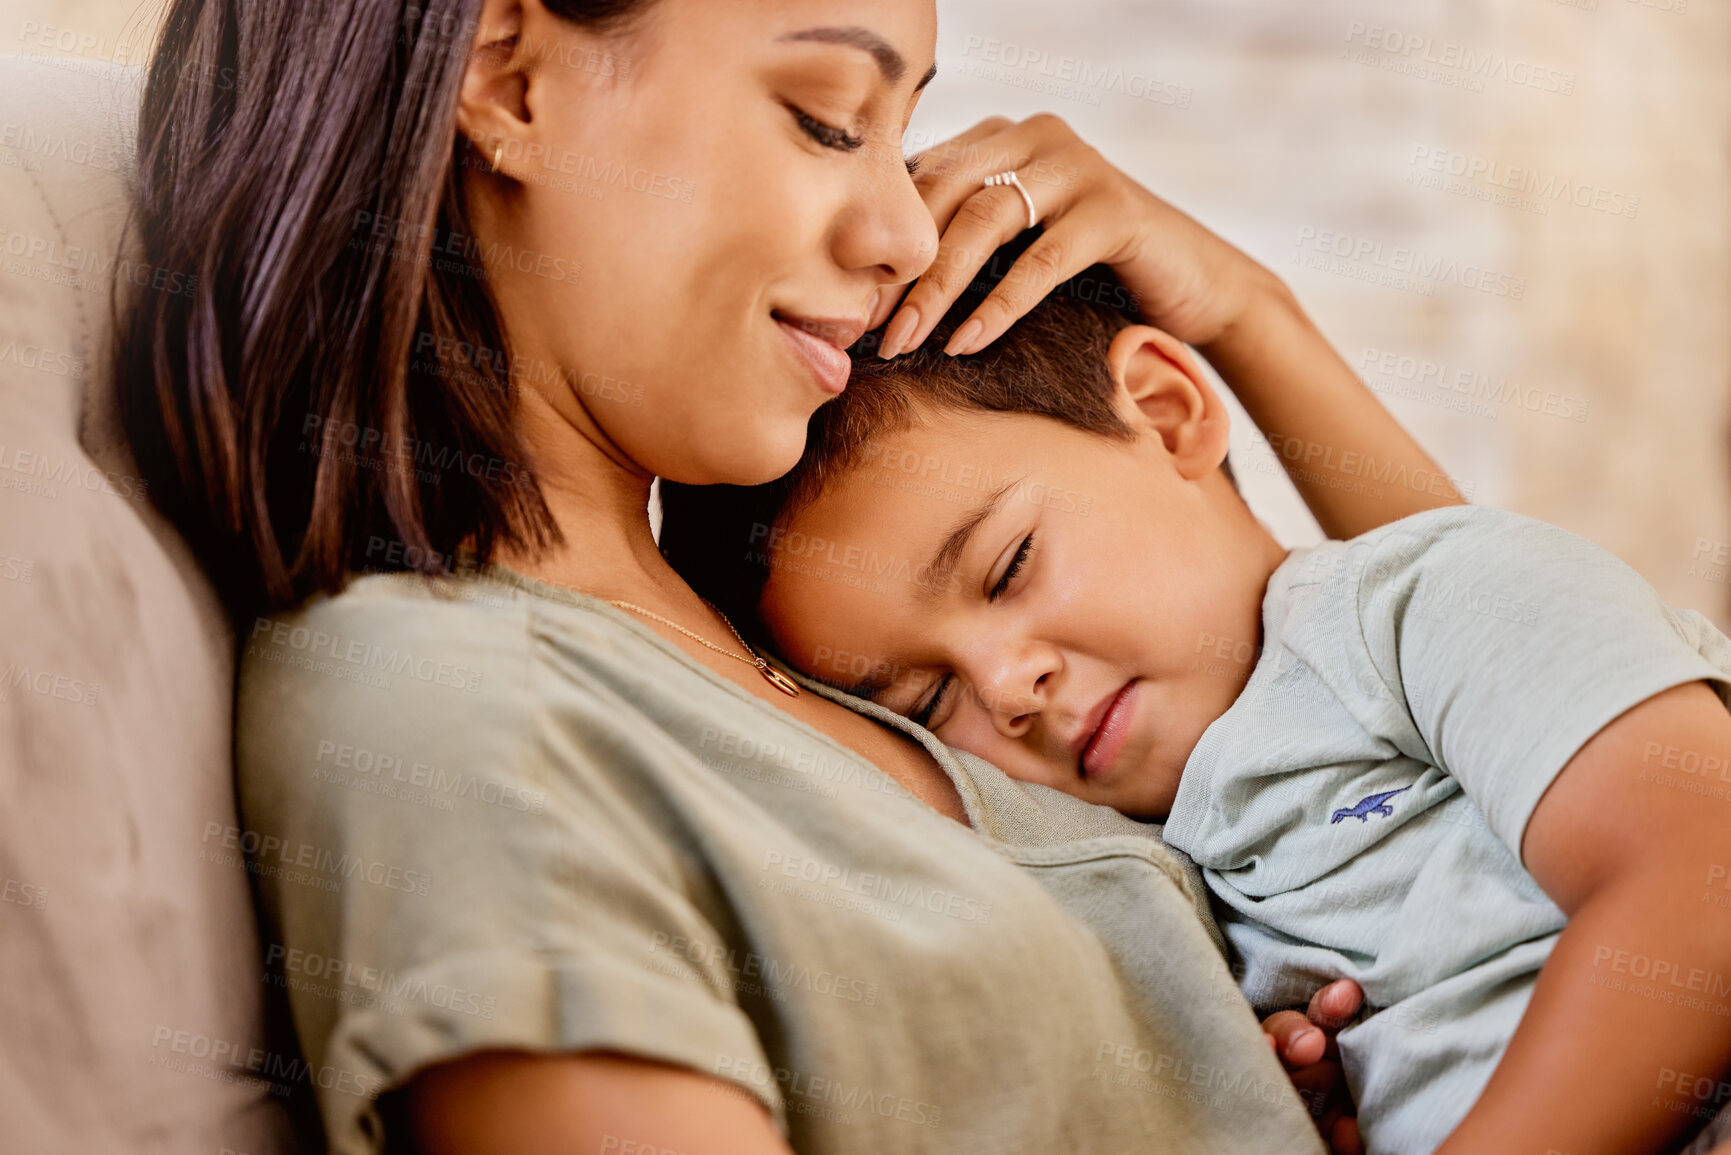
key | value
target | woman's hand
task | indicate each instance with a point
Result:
(1305, 1044)
(1186, 280)
(1353, 464)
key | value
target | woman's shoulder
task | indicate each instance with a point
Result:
(408, 600)
(427, 666)
(386, 630)
(407, 714)
(394, 669)
(396, 623)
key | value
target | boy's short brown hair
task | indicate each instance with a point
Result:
(1051, 363)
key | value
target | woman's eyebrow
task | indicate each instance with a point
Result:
(889, 61)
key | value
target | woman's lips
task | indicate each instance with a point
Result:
(1102, 749)
(827, 360)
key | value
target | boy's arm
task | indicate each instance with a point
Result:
(1634, 1005)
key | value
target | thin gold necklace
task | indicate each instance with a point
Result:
(770, 674)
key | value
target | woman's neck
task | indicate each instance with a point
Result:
(599, 499)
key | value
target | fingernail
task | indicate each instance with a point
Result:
(896, 336)
(964, 338)
(1298, 1040)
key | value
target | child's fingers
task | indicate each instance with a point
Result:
(1343, 1137)
(1296, 1040)
(1321, 1088)
(1334, 1005)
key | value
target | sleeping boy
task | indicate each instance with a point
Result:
(1468, 759)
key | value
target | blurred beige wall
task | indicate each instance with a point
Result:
(1510, 215)
(111, 30)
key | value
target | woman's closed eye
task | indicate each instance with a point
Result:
(839, 139)
(827, 135)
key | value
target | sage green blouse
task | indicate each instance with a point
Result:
(491, 813)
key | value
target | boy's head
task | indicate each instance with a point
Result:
(1034, 550)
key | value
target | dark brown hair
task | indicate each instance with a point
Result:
(330, 389)
(1051, 363)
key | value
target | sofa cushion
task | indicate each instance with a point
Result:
(133, 1015)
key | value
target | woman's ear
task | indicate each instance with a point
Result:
(493, 108)
(1157, 375)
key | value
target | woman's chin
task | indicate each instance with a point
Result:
(768, 468)
(751, 461)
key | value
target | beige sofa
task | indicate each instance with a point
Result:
(133, 1006)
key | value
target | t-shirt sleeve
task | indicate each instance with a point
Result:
(1512, 642)
(449, 863)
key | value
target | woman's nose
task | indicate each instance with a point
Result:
(889, 229)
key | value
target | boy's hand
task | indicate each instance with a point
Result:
(1185, 279)
(1305, 1044)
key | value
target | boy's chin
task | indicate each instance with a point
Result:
(1152, 802)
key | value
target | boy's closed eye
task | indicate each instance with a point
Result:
(924, 711)
(1017, 561)
(931, 709)
(1030, 592)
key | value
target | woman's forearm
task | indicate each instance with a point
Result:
(516, 1103)
(1353, 463)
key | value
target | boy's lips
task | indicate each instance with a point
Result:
(822, 343)
(1111, 720)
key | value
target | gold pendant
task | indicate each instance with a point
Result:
(780, 681)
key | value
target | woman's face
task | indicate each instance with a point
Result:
(697, 217)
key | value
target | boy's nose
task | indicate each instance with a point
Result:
(1016, 709)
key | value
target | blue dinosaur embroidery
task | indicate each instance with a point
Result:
(1375, 804)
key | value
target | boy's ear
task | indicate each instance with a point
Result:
(1157, 375)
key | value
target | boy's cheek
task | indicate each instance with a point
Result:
(970, 728)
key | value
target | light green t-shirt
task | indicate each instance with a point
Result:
(491, 813)
(1359, 810)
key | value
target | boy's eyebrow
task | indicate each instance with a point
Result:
(889, 61)
(943, 563)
